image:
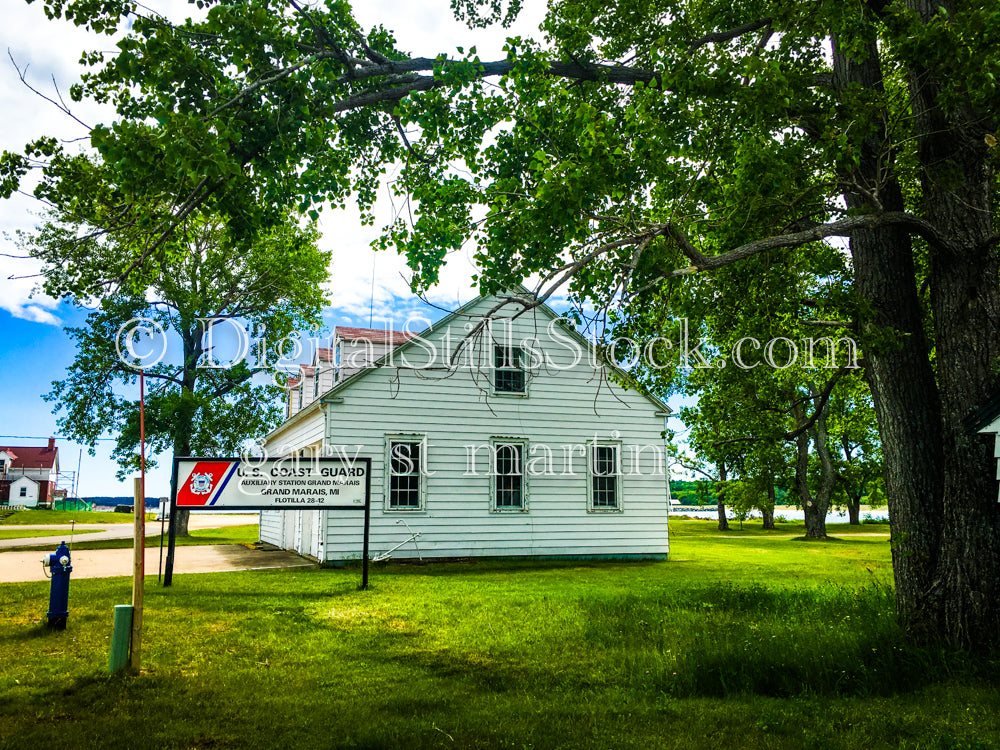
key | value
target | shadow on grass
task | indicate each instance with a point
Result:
(731, 639)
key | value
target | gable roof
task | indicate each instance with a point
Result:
(31, 457)
(372, 335)
(463, 310)
(316, 404)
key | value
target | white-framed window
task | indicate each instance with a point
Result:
(405, 472)
(508, 477)
(604, 476)
(509, 375)
(24, 491)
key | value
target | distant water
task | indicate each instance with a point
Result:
(790, 514)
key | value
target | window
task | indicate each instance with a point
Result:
(405, 455)
(508, 370)
(603, 477)
(24, 492)
(509, 486)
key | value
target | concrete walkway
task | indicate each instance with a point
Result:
(100, 532)
(105, 563)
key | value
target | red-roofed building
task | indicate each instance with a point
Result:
(28, 474)
(353, 350)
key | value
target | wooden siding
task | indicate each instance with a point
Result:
(566, 407)
(304, 434)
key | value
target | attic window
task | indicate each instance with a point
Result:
(508, 370)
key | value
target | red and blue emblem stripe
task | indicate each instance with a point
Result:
(216, 476)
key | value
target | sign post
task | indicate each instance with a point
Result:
(291, 483)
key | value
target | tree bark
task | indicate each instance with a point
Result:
(815, 517)
(854, 511)
(721, 495)
(957, 179)
(184, 416)
(768, 510)
(940, 481)
(899, 374)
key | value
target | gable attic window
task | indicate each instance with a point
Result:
(404, 458)
(508, 370)
(508, 476)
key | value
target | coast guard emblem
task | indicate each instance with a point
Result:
(201, 484)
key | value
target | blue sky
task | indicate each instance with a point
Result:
(36, 353)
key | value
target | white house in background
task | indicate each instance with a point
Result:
(520, 448)
(24, 491)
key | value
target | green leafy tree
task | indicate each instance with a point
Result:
(855, 441)
(214, 321)
(631, 148)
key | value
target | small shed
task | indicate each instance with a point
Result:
(24, 491)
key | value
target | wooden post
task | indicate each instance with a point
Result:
(138, 573)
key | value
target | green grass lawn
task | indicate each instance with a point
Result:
(28, 533)
(748, 640)
(31, 517)
(245, 534)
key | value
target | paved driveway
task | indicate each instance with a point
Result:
(103, 563)
(100, 532)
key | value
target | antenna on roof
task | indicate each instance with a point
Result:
(371, 303)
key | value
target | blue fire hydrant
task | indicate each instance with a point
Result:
(59, 565)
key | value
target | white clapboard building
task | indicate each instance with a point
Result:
(514, 446)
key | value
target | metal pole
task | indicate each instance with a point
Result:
(368, 505)
(168, 574)
(135, 647)
(140, 508)
(159, 573)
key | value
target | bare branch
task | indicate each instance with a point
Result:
(22, 73)
(727, 36)
(843, 228)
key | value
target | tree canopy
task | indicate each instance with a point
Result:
(625, 149)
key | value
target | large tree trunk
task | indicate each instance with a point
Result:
(940, 481)
(768, 510)
(899, 373)
(854, 511)
(184, 416)
(815, 520)
(721, 496)
(957, 181)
